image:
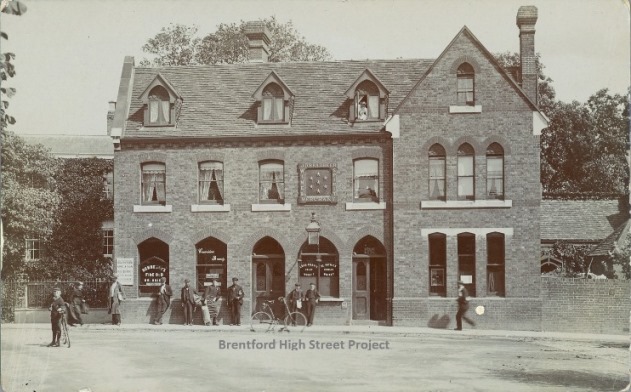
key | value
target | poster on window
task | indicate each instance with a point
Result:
(151, 273)
(437, 277)
(125, 270)
(328, 269)
(308, 269)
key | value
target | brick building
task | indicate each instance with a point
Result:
(419, 172)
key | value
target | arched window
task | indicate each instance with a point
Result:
(466, 77)
(495, 262)
(366, 180)
(367, 101)
(211, 182)
(153, 183)
(466, 261)
(437, 170)
(271, 182)
(154, 264)
(159, 106)
(212, 259)
(319, 264)
(437, 264)
(466, 173)
(273, 102)
(495, 171)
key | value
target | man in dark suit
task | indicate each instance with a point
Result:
(295, 298)
(164, 300)
(312, 296)
(188, 302)
(235, 300)
(463, 306)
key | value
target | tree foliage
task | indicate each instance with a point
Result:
(29, 200)
(7, 69)
(179, 45)
(621, 255)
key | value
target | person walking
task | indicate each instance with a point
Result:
(164, 299)
(116, 297)
(294, 299)
(211, 296)
(76, 303)
(57, 309)
(235, 300)
(312, 297)
(463, 306)
(188, 302)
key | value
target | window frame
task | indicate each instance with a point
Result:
(495, 152)
(462, 154)
(364, 91)
(437, 263)
(368, 196)
(496, 266)
(162, 99)
(465, 72)
(108, 185)
(220, 182)
(434, 154)
(32, 249)
(144, 169)
(274, 181)
(108, 242)
(274, 96)
(467, 260)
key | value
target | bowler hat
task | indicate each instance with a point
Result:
(56, 289)
(187, 281)
(235, 279)
(297, 284)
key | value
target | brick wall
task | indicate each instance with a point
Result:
(585, 305)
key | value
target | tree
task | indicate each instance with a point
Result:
(178, 45)
(584, 147)
(28, 198)
(7, 69)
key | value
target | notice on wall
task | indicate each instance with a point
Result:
(125, 270)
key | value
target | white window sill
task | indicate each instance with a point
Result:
(465, 109)
(271, 207)
(331, 299)
(439, 204)
(365, 206)
(153, 208)
(210, 207)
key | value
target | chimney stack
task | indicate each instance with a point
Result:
(526, 20)
(258, 41)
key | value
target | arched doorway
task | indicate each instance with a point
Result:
(268, 271)
(212, 256)
(319, 264)
(369, 280)
(154, 264)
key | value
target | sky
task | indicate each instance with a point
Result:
(69, 53)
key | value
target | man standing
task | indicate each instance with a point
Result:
(235, 300)
(188, 302)
(463, 306)
(211, 296)
(116, 297)
(295, 298)
(57, 309)
(312, 296)
(164, 300)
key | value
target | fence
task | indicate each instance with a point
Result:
(23, 294)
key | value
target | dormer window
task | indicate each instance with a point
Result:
(466, 75)
(273, 103)
(367, 101)
(159, 106)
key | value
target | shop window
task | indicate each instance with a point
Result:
(437, 170)
(466, 261)
(437, 264)
(495, 171)
(159, 106)
(33, 249)
(319, 264)
(154, 264)
(273, 104)
(108, 242)
(495, 264)
(212, 256)
(153, 183)
(366, 180)
(466, 78)
(271, 182)
(466, 172)
(367, 101)
(211, 182)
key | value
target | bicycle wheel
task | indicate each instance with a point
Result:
(65, 336)
(261, 322)
(295, 321)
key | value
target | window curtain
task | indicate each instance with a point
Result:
(166, 109)
(153, 110)
(373, 106)
(267, 109)
(214, 188)
(271, 182)
(366, 180)
(495, 176)
(154, 186)
(204, 184)
(437, 178)
(465, 176)
(280, 108)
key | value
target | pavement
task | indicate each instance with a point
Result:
(356, 330)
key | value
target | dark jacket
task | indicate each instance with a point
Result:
(235, 292)
(312, 295)
(190, 297)
(165, 296)
(211, 293)
(295, 295)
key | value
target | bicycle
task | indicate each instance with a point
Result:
(266, 320)
(65, 336)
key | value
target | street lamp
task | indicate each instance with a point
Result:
(313, 231)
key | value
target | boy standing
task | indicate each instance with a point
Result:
(57, 310)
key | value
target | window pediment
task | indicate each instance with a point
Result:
(367, 75)
(160, 80)
(368, 98)
(273, 78)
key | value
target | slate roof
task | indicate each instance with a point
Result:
(580, 220)
(74, 146)
(218, 102)
(616, 238)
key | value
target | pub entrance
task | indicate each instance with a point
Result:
(268, 272)
(369, 280)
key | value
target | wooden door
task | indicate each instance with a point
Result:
(378, 284)
(361, 289)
